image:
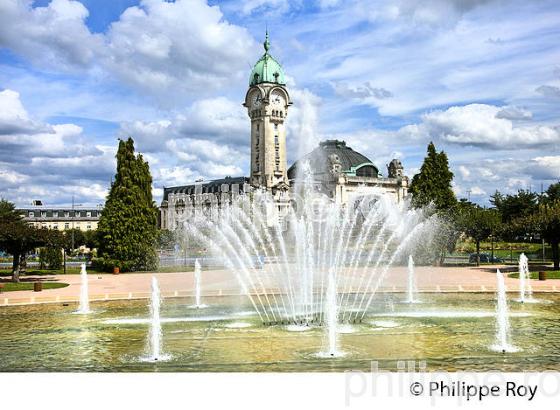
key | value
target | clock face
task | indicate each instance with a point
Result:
(255, 100)
(277, 98)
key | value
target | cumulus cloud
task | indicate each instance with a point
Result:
(545, 167)
(511, 112)
(506, 175)
(480, 125)
(50, 160)
(208, 140)
(267, 6)
(364, 91)
(14, 119)
(425, 12)
(549, 91)
(218, 119)
(157, 47)
(184, 45)
(54, 35)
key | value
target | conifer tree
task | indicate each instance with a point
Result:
(127, 228)
(433, 183)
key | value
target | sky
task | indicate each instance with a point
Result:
(479, 78)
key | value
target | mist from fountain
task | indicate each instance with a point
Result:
(503, 331)
(411, 283)
(84, 292)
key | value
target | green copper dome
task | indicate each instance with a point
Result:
(267, 69)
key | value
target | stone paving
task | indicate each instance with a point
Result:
(222, 282)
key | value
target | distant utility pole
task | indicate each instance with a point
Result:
(469, 195)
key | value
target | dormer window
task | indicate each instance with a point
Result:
(256, 78)
(276, 76)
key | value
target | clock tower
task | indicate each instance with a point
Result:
(267, 103)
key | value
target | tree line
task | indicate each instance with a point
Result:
(511, 217)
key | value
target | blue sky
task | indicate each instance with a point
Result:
(480, 78)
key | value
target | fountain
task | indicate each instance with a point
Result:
(197, 285)
(502, 319)
(155, 334)
(84, 294)
(411, 288)
(312, 242)
(332, 316)
(525, 289)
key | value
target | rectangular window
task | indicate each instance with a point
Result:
(275, 126)
(276, 139)
(31, 214)
(66, 226)
(43, 214)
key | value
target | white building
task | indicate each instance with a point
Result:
(336, 170)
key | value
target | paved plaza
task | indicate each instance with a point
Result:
(222, 282)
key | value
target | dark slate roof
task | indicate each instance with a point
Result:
(318, 158)
(213, 186)
(60, 213)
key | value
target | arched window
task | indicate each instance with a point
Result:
(367, 171)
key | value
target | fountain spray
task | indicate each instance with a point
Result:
(154, 339)
(332, 315)
(525, 289)
(197, 274)
(411, 285)
(502, 318)
(84, 293)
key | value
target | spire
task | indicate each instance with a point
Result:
(266, 43)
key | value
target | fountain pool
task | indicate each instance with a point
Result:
(448, 331)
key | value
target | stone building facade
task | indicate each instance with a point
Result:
(84, 219)
(336, 170)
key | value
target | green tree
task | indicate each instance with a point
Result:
(433, 183)
(128, 224)
(478, 223)
(545, 221)
(553, 192)
(17, 237)
(54, 244)
(522, 204)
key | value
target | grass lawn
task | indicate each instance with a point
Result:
(42, 272)
(12, 287)
(6, 273)
(550, 274)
